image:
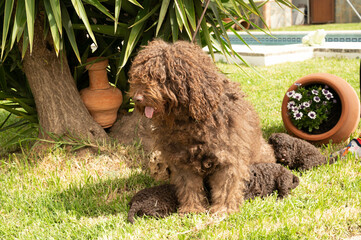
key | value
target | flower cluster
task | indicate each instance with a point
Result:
(308, 107)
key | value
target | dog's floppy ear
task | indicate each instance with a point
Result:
(204, 96)
(194, 79)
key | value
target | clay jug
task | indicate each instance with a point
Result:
(101, 99)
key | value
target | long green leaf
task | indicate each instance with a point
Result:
(204, 28)
(220, 5)
(3, 83)
(19, 22)
(122, 31)
(236, 7)
(246, 6)
(30, 20)
(6, 119)
(182, 17)
(28, 108)
(25, 43)
(218, 40)
(69, 31)
(134, 36)
(178, 17)
(55, 7)
(117, 8)
(189, 8)
(148, 15)
(240, 37)
(219, 21)
(9, 5)
(79, 8)
(14, 98)
(22, 135)
(12, 109)
(53, 27)
(286, 3)
(162, 13)
(251, 2)
(100, 7)
(166, 30)
(136, 3)
(173, 23)
(21, 122)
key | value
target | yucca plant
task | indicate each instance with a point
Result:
(45, 44)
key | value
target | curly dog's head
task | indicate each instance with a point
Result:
(174, 81)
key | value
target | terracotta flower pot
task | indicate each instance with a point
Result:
(350, 109)
(244, 24)
(100, 98)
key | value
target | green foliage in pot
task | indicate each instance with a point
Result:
(310, 106)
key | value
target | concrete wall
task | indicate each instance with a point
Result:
(344, 12)
(300, 3)
(275, 16)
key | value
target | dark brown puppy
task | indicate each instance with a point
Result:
(266, 178)
(159, 201)
(296, 153)
(203, 125)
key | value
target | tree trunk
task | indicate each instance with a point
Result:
(58, 103)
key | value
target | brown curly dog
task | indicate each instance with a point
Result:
(204, 128)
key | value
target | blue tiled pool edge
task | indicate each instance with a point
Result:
(285, 38)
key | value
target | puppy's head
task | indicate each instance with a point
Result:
(174, 80)
(282, 145)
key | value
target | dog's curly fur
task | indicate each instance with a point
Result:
(265, 178)
(203, 126)
(159, 201)
(296, 153)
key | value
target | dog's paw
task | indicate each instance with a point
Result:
(220, 210)
(193, 209)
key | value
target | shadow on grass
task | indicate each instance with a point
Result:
(107, 197)
(267, 131)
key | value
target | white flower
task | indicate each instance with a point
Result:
(297, 96)
(324, 91)
(329, 96)
(306, 104)
(297, 115)
(314, 92)
(290, 105)
(298, 84)
(295, 108)
(316, 99)
(312, 115)
(290, 93)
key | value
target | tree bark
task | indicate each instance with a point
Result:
(58, 103)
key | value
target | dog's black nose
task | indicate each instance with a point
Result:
(138, 98)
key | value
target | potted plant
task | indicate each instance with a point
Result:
(321, 107)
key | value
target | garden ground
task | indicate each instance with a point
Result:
(84, 195)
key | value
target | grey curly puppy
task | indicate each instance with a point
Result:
(159, 201)
(296, 153)
(265, 178)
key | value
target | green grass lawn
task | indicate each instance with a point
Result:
(84, 195)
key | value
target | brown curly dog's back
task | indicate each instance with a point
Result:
(203, 126)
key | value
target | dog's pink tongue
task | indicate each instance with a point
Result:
(149, 112)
